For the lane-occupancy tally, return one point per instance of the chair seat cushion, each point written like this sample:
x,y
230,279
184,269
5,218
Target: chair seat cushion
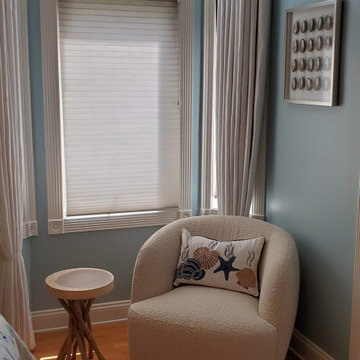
x,y
203,320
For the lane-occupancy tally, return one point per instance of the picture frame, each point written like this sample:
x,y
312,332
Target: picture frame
x,y
311,53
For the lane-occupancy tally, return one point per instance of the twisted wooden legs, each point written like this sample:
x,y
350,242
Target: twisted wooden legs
x,y
79,331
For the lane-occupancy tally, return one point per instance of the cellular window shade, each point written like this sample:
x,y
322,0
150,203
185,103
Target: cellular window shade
x,y
119,79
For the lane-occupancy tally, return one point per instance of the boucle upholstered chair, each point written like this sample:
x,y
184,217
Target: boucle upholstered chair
x,y
204,323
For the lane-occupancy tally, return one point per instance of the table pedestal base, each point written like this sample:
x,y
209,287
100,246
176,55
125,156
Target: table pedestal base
x,y
79,331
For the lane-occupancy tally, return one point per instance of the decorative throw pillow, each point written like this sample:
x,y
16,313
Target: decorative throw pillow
x,y
229,265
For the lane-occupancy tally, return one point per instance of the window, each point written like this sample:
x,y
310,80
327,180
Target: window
x,y
115,137
209,203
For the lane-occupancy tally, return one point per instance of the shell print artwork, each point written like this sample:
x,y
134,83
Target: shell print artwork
x,y
206,257
246,278
328,22
311,25
319,43
303,26
302,45
310,44
317,83
326,83
309,84
311,54
296,27
310,64
301,82
327,63
328,42
318,64
302,64
320,23
295,46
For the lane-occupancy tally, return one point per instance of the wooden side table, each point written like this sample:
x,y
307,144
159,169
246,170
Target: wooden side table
x,y
76,290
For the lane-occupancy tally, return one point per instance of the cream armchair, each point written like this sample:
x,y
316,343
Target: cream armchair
x,y
204,323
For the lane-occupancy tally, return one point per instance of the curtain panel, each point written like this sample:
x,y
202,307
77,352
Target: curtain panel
x,y
14,296
241,70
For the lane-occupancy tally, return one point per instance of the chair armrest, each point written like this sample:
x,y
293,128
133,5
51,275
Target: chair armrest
x,y
279,273
156,263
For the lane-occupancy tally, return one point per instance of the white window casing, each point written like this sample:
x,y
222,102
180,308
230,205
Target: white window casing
x,y
70,97
30,222
208,106
186,38
257,209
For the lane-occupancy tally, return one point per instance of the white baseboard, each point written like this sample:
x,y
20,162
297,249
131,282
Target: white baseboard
x,y
305,349
46,320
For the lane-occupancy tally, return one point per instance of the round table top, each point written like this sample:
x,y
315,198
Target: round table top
x,y
80,283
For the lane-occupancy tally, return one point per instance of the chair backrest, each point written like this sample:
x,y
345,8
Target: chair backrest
x,y
228,228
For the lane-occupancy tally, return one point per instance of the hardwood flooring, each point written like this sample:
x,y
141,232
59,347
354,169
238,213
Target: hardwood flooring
x,y
112,339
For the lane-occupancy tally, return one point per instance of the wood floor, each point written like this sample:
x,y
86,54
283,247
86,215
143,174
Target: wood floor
x,y
112,339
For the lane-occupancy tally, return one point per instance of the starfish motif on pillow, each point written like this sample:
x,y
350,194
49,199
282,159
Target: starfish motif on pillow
x,y
226,266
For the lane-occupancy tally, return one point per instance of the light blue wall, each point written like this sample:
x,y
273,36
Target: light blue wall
x,y
114,250
313,173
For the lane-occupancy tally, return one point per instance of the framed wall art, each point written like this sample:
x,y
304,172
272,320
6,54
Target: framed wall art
x,y
311,63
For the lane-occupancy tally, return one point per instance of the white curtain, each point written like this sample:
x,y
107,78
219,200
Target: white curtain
x,y
242,53
14,296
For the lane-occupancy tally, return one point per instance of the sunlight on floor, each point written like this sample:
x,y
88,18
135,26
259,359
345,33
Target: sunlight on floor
x,y
53,357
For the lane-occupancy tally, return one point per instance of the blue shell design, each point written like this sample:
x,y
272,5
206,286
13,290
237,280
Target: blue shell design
x,y
190,270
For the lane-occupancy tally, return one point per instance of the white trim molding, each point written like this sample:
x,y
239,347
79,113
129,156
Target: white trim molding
x,y
46,320
257,209
186,38
24,71
53,132
355,313
305,349
58,222
30,229
207,105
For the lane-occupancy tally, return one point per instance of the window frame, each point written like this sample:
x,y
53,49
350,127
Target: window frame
x,y
58,222
257,209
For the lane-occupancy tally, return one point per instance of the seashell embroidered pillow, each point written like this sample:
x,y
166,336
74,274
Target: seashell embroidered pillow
x,y
228,265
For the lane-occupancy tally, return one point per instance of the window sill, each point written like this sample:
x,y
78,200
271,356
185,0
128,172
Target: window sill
x,y
215,212
84,223
29,229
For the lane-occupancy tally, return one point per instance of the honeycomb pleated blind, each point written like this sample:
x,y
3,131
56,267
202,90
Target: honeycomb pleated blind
x,y
119,86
